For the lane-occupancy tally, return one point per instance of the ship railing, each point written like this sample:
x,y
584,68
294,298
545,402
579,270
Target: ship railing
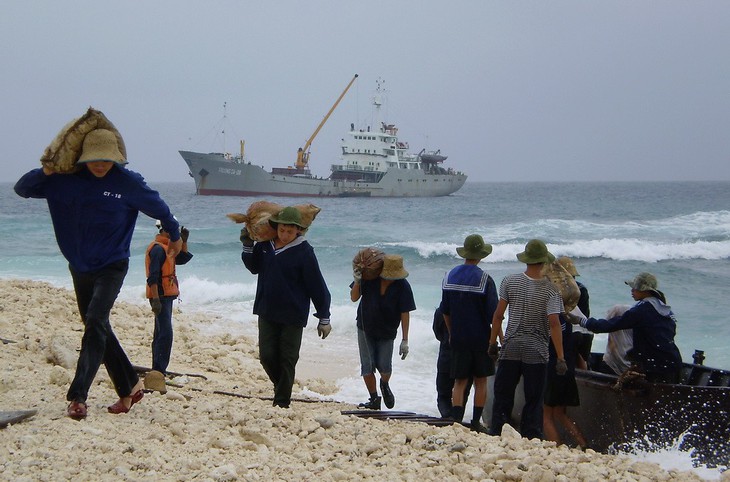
x,y
343,167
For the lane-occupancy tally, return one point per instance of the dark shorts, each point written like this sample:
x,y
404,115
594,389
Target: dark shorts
x,y
471,363
561,391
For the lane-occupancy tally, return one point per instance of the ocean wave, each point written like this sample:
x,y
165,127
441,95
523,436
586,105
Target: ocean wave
x,y
628,249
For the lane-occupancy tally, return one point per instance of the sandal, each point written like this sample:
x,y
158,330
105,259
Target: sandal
x,y
77,410
119,407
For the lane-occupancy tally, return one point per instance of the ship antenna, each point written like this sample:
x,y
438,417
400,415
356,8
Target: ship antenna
x,y
225,120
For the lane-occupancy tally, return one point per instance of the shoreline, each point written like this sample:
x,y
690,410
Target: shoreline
x,y
196,432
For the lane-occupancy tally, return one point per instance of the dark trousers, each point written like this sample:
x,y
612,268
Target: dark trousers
x,y
279,345
162,337
505,383
95,296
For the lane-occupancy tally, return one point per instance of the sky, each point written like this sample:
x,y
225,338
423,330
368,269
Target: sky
x,y
562,90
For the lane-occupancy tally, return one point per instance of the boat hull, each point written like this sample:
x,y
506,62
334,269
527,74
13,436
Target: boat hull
x,y
215,175
693,415
647,415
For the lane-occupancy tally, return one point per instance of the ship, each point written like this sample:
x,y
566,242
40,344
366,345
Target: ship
x,y
374,162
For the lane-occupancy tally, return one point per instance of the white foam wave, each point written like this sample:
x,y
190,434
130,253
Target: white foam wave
x,y
619,249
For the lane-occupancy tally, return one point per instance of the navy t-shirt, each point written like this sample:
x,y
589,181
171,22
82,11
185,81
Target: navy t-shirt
x,y
379,315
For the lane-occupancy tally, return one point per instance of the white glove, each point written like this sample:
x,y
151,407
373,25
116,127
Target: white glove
x,y
403,350
357,275
324,328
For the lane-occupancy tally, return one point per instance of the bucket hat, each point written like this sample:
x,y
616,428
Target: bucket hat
x,y
568,264
474,248
288,215
101,145
644,282
535,252
393,267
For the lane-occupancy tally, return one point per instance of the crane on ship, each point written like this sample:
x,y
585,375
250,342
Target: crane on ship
x,y
303,152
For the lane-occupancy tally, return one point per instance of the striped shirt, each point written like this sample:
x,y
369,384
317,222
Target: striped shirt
x,y
530,301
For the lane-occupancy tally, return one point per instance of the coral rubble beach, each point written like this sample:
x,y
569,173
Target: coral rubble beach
x,y
223,427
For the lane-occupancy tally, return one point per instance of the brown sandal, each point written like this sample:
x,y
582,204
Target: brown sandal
x,y
77,410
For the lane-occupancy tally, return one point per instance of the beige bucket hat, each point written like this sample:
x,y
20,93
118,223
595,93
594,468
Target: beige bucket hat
x,y
101,145
393,267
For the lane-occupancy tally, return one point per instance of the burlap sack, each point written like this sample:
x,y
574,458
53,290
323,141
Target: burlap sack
x,y
62,153
565,283
257,217
370,262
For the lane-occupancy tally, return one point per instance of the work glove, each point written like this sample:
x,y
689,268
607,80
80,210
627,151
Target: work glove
x,y
357,275
493,351
403,350
561,368
156,305
324,328
246,238
184,233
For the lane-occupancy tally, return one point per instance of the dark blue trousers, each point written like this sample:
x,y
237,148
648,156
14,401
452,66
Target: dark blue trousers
x,y
505,382
162,337
95,296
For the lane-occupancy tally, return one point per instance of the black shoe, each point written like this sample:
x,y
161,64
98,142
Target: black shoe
x,y
388,396
372,404
478,427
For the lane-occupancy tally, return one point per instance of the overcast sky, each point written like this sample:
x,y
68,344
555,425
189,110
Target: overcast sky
x,y
509,90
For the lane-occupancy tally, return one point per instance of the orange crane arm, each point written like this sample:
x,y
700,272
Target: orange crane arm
x,y
303,152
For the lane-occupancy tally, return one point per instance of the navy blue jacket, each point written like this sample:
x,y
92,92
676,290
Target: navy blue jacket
x,y
469,297
654,328
288,279
94,218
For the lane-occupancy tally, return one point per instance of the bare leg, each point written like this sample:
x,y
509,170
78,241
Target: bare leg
x,y
370,382
457,394
548,424
563,419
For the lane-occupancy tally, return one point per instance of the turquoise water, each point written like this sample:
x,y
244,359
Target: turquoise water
x,y
679,231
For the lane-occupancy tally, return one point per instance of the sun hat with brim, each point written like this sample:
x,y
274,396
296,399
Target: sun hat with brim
x,y
288,215
101,145
568,264
474,248
535,252
644,282
393,267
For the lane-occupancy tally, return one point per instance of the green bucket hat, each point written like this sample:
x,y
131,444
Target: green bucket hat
x,y
644,282
535,252
474,248
288,215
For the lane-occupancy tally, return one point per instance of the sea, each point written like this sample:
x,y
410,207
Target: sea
x,y
679,231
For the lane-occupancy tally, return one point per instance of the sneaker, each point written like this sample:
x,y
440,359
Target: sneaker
x,y
388,396
372,404
155,381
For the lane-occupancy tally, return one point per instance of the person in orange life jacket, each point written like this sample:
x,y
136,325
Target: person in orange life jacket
x,y
94,210
162,289
289,279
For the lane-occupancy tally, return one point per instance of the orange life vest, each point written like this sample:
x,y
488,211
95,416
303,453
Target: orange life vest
x,y
169,280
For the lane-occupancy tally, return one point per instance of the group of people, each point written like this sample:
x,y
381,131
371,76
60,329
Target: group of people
x,y
539,346
94,211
